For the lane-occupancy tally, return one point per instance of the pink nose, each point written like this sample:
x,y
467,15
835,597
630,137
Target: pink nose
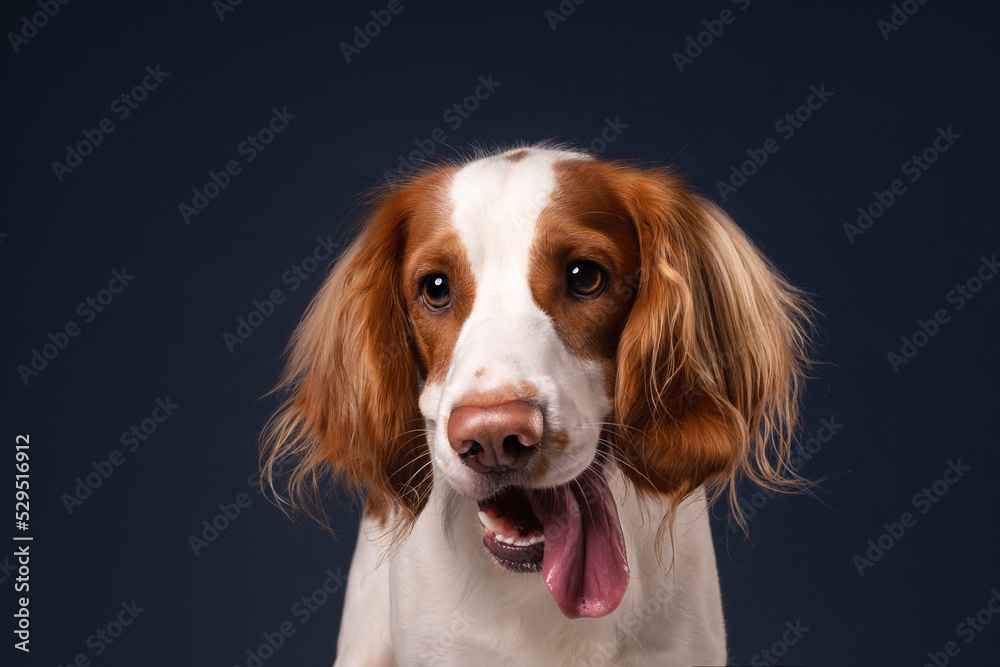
x,y
495,438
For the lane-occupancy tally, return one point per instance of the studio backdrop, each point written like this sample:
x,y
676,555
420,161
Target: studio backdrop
x,y
180,177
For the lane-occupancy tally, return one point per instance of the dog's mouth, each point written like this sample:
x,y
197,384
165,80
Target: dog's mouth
x,y
570,533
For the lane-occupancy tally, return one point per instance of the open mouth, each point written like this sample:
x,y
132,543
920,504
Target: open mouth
x,y
570,533
513,533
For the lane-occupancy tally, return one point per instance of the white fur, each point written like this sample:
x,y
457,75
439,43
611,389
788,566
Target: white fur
x,y
439,599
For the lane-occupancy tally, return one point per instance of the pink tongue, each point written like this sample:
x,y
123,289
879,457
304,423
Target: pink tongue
x,y
584,563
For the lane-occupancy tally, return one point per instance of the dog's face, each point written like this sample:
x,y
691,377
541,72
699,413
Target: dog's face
x,y
518,324
517,299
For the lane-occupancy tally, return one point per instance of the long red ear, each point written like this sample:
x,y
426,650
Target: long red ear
x,y
352,383
713,354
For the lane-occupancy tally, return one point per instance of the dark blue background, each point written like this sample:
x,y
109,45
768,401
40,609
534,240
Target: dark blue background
x,y
162,336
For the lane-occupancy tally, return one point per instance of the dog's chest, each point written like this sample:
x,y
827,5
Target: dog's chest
x,y
450,605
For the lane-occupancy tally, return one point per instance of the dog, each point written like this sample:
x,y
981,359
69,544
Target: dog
x,y
538,369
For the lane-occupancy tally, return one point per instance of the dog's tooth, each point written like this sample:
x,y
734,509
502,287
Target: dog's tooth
x,y
492,524
536,539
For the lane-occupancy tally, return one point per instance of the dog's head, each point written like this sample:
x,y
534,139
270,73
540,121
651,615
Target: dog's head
x,y
512,326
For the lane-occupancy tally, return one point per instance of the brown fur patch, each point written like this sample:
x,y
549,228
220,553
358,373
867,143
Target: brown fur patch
x,y
711,360
352,375
585,220
432,246
702,340
516,157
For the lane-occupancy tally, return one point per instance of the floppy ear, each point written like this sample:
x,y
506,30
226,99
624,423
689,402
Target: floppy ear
x,y
712,356
352,382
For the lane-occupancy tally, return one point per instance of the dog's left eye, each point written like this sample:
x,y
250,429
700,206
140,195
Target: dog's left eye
x,y
585,278
436,291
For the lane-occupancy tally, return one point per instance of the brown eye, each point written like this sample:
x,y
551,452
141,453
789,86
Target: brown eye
x,y
436,291
585,278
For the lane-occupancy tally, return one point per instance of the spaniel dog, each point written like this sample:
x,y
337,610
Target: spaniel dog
x,y
538,369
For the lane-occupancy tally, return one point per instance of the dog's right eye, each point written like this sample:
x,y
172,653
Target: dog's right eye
x,y
435,291
586,279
